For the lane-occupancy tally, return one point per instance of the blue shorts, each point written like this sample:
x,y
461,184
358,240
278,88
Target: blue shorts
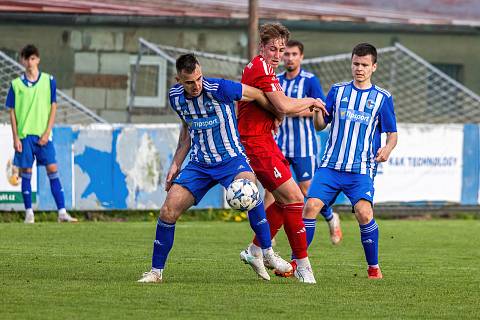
x,y
303,167
31,150
328,183
198,179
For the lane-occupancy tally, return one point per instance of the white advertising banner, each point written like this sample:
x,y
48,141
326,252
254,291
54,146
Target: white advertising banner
x,y
10,182
426,165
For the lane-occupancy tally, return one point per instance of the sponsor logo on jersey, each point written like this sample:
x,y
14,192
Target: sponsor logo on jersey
x,y
204,123
344,99
355,115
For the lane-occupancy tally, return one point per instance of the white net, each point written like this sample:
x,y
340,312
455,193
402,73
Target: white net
x,y
69,111
422,93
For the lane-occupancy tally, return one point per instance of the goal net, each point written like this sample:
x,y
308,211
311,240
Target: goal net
x,y
421,92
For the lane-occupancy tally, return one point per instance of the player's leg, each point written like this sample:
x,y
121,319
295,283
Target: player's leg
x,y
273,214
261,255
304,168
360,191
24,161
191,184
178,200
46,156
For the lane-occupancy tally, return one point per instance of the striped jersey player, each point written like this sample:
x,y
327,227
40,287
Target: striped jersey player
x,y
209,133
359,112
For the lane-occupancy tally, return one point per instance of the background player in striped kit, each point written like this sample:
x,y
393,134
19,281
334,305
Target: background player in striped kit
x,y
359,112
209,130
256,126
297,136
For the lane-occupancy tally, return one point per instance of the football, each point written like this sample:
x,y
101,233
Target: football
x,y
242,194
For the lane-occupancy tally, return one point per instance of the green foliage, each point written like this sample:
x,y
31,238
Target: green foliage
x,y
89,271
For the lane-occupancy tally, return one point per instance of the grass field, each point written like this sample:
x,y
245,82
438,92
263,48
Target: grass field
x,y
89,271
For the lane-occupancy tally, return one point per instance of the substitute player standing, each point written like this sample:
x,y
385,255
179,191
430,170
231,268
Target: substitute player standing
x,y
209,130
297,136
32,103
256,126
359,112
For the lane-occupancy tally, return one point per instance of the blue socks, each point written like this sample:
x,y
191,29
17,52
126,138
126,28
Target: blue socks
x,y
369,236
57,190
327,213
310,225
27,189
163,243
259,224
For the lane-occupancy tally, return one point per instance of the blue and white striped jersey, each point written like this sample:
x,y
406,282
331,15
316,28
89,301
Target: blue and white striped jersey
x,y
211,120
357,117
296,136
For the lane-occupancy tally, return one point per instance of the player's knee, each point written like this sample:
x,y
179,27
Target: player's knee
x,y
168,214
312,208
364,212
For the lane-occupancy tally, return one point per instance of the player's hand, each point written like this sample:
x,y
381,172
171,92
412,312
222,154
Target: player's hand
x,y
17,145
277,123
171,175
43,139
318,106
382,154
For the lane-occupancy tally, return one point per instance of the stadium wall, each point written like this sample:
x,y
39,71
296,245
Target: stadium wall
x,y
105,167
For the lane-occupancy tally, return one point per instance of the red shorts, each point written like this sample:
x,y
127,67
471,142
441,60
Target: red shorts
x,y
267,161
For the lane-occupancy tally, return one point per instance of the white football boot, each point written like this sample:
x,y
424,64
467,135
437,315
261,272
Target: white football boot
x,y
63,216
272,260
256,262
29,216
151,277
305,274
335,229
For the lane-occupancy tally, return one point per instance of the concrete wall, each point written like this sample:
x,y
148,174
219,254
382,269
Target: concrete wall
x,y
92,63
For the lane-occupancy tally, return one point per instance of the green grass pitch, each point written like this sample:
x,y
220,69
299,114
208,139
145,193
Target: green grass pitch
x,y
89,271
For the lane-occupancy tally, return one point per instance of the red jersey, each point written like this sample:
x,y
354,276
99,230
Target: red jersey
x,y
253,120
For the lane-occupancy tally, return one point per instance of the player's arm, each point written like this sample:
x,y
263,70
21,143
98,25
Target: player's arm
x,y
314,90
384,152
17,144
286,105
319,121
250,93
183,147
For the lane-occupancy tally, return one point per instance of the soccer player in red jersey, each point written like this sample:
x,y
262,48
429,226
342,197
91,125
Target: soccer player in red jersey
x,y
256,126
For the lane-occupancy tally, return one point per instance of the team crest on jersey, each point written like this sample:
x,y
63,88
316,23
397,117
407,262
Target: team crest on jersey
x,y
209,106
370,104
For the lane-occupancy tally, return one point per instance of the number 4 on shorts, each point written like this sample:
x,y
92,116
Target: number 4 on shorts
x,y
276,173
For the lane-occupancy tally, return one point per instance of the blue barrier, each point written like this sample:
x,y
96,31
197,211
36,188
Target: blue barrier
x,y
124,167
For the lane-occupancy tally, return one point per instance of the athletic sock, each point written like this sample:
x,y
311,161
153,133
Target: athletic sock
x,y
27,189
57,190
310,225
327,213
163,243
275,220
295,229
259,224
369,237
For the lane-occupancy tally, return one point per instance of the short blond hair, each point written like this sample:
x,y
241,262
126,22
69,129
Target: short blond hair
x,y
269,31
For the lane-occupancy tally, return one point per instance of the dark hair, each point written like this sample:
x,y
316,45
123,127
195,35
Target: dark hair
x,y
295,43
187,62
269,31
364,49
29,50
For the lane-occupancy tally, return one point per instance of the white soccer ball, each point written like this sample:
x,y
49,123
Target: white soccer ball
x,y
242,194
